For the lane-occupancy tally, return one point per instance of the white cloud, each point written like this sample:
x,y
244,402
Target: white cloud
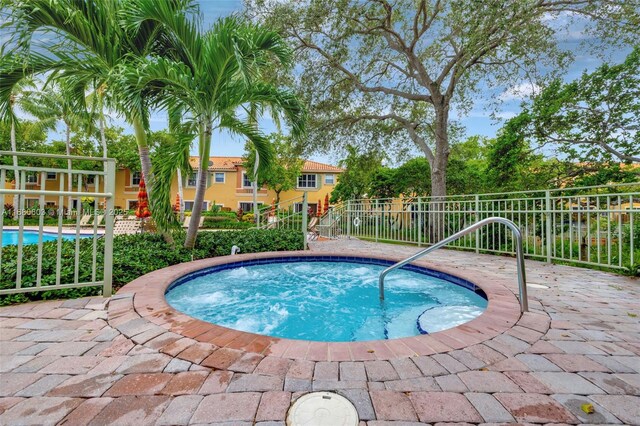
x,y
520,92
505,115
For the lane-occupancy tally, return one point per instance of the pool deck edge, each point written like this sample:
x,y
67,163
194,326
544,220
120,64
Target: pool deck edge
x,y
139,311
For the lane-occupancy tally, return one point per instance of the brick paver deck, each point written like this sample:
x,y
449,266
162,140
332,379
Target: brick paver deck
x,y
83,362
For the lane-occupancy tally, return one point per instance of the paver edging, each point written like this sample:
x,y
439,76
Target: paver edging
x,y
143,300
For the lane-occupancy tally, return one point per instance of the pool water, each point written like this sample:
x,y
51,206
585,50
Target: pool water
x,y
31,237
325,301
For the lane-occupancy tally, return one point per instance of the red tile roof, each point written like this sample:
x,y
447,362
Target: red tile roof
x,y
230,164
314,166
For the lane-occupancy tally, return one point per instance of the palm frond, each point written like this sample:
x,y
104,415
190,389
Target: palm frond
x,y
174,156
259,141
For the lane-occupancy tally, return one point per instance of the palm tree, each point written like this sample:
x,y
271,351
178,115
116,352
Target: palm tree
x,y
54,104
21,96
89,40
219,74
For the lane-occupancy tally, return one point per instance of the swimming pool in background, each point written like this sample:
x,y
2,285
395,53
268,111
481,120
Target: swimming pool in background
x,y
10,237
326,299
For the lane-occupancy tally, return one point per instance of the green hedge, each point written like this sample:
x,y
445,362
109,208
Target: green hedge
x,y
133,256
227,215
225,223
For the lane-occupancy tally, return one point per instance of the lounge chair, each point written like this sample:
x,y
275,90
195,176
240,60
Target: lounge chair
x,y
99,218
312,229
126,227
84,220
187,222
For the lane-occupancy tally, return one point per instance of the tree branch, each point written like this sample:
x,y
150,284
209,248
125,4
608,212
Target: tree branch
x,y
356,81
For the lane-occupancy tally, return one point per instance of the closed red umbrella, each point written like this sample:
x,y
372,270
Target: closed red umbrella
x,y
176,207
326,204
273,208
319,208
143,201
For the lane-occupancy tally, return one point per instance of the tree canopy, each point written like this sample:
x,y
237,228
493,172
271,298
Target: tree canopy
x,y
283,171
379,72
594,118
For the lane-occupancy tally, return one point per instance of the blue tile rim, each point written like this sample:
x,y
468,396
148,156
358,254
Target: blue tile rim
x,y
328,258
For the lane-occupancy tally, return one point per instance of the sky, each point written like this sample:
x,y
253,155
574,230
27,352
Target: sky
x,y
477,121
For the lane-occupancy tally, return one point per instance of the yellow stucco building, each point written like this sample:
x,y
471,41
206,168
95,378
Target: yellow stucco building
x,y
228,186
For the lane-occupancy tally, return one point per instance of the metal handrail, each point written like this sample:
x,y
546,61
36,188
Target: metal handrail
x,y
522,280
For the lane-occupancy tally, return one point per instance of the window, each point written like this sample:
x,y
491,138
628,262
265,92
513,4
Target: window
x,y
91,180
329,180
219,177
188,205
311,206
135,178
51,175
192,180
307,181
31,178
132,204
246,207
246,182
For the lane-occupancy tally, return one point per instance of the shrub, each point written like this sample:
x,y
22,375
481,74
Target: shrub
x,y
133,256
223,214
249,241
225,223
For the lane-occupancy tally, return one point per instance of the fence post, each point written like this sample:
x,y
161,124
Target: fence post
x,y
109,188
348,219
377,207
419,221
305,207
478,218
547,196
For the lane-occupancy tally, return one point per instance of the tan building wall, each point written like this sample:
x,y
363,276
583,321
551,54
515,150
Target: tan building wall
x,y
226,188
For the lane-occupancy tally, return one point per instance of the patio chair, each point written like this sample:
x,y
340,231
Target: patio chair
x,y
312,229
99,220
126,227
84,220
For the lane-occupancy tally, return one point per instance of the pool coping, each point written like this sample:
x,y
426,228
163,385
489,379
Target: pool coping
x,y
141,305
48,229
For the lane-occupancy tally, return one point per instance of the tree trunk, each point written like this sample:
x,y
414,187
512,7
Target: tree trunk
x,y
143,151
201,185
103,138
277,197
69,168
437,219
16,173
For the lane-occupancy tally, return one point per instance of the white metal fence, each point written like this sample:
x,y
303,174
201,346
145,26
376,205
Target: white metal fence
x,y
288,214
597,225
84,261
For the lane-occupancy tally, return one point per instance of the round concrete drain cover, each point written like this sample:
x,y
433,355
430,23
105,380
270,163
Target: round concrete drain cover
x,y
322,409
